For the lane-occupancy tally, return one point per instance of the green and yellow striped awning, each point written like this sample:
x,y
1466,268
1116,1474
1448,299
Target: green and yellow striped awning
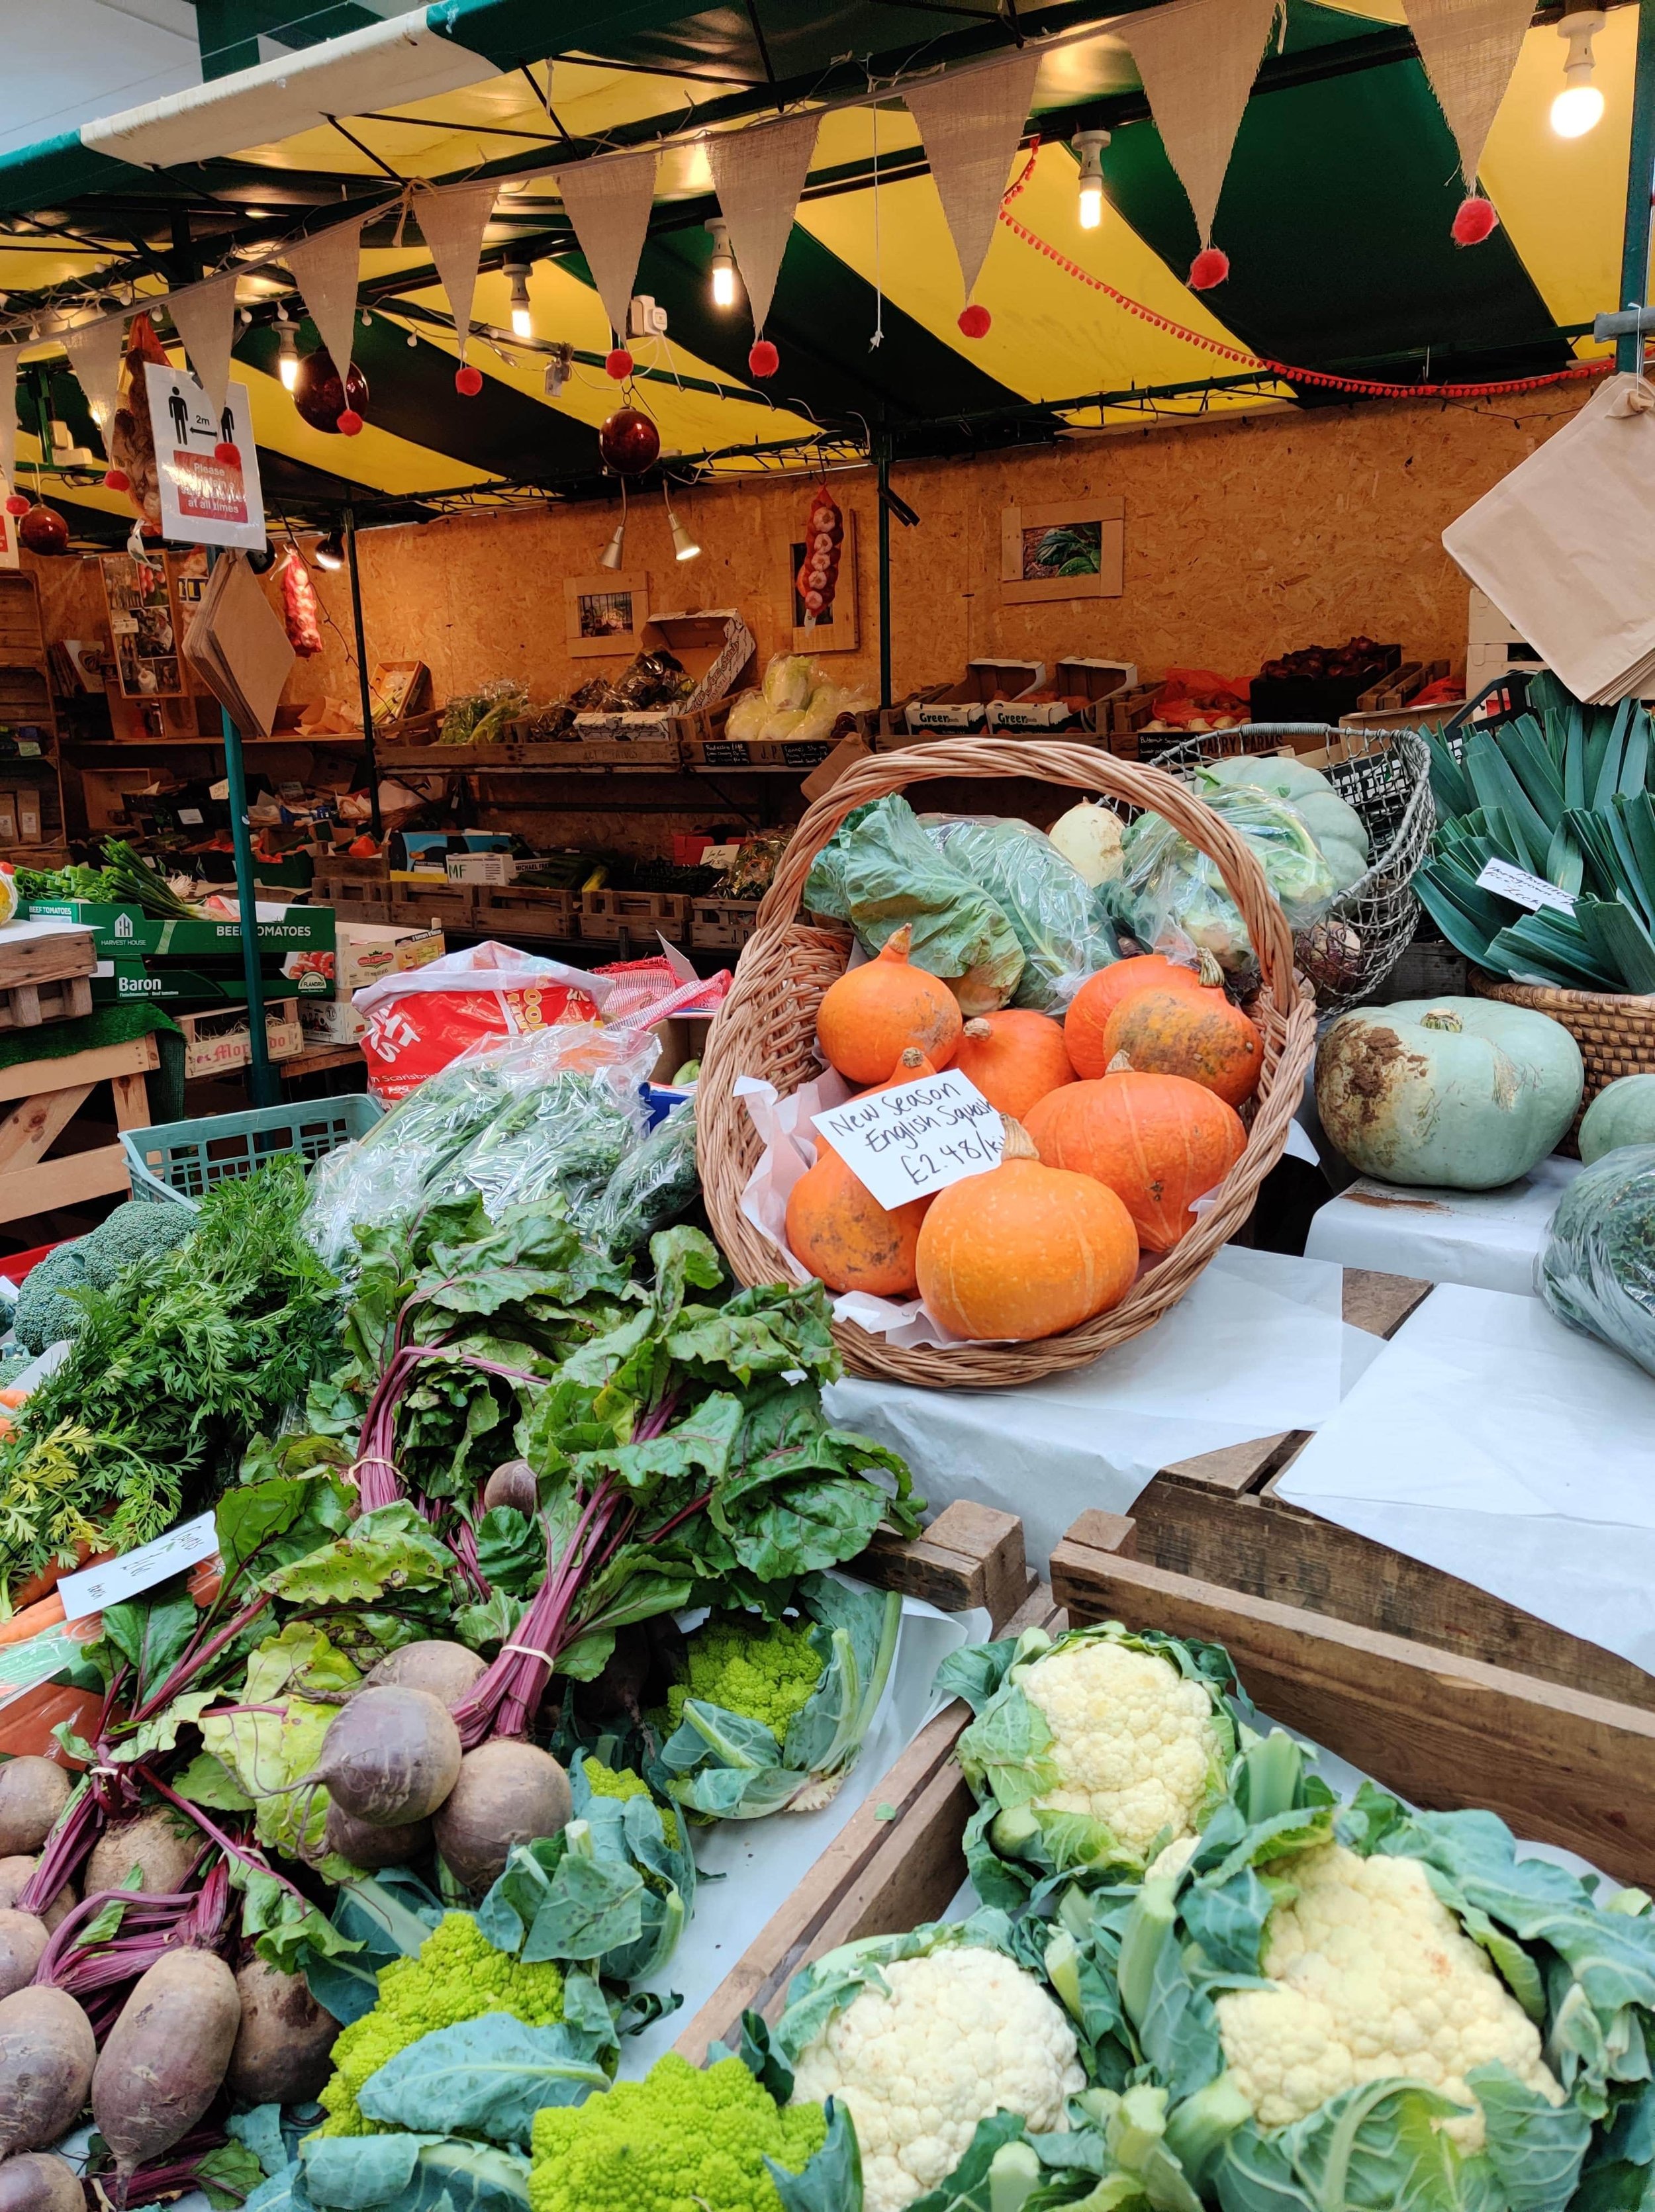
x,y
1335,217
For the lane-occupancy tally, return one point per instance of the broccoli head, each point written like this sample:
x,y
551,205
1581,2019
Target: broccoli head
x,y
459,1975
678,2137
141,1229
46,1315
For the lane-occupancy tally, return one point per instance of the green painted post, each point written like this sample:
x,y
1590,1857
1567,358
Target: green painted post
x,y
365,690
264,1083
1640,182
882,450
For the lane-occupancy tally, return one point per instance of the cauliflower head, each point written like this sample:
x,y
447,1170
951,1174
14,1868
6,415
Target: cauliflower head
x,y
676,2140
1375,1980
458,1976
964,2033
765,1669
1137,1742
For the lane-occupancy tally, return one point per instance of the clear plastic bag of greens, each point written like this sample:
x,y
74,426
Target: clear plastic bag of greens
x,y
881,872
656,1183
573,1112
1172,898
1597,1270
1062,923
386,1173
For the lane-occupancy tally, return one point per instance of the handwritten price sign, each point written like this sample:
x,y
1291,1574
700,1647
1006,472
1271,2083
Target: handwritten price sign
x,y
916,1139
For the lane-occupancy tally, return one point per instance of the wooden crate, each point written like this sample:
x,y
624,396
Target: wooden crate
x,y
879,1874
437,904
26,1005
218,1041
354,899
1399,687
527,910
722,924
38,1103
608,914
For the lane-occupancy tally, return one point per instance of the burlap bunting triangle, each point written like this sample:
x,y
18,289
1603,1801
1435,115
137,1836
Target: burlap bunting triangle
x,y
326,268
95,355
758,176
608,202
1197,61
1470,49
204,316
453,221
972,122
10,358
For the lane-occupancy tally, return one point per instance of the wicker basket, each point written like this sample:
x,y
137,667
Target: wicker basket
x,y
1615,1030
767,1028
1386,776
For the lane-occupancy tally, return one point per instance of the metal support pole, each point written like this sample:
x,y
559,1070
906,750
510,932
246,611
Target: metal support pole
x,y
882,454
364,687
1640,182
264,1083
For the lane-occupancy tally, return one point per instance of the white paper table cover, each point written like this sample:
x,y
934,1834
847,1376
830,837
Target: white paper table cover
x,y
1495,1444
1487,1239
1257,1346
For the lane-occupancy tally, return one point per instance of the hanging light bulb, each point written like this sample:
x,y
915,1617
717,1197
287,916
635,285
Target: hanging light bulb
x,y
522,326
1089,145
1579,105
686,545
329,551
287,358
723,263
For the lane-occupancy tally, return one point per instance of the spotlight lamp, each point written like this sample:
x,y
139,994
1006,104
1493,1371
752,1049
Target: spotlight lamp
x,y
723,263
1089,145
1579,105
329,551
686,546
522,324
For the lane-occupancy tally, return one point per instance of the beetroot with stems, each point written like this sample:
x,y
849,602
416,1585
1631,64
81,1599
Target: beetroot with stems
x,y
507,1793
283,2048
36,2181
166,2058
17,1872
23,1939
447,1670
33,1795
512,1484
373,1847
46,2057
162,1847
392,1756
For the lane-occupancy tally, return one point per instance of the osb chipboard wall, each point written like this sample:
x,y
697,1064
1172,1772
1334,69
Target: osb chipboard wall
x,y
1243,538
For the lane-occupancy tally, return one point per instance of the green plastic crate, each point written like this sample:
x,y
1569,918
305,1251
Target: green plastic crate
x,y
177,1162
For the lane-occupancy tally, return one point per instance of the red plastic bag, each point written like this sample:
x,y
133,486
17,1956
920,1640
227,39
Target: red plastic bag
x,y
299,610
1195,697
422,1018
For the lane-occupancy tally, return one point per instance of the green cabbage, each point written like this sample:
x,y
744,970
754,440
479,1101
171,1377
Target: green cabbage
x,y
1171,897
1060,921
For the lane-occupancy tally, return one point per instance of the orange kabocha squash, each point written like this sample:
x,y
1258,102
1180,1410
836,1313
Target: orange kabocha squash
x,y
867,1018
1198,1034
1157,1141
1098,996
836,1227
1013,1057
1025,1250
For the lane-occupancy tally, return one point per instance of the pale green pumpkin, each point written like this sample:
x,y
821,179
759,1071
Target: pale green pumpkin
x,y
1622,1113
1339,830
1462,1094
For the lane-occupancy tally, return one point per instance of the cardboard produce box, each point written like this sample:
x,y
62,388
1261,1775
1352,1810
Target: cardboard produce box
x,y
116,982
285,933
331,1021
965,705
714,648
368,950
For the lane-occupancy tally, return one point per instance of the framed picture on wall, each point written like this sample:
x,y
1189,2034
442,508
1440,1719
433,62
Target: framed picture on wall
x,y
144,627
1074,550
836,631
604,613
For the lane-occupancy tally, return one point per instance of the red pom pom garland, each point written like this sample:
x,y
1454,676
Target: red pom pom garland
x,y
1210,266
468,380
1475,219
764,359
224,453
619,365
17,504
113,480
975,320
350,422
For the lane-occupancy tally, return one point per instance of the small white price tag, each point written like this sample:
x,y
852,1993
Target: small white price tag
x,y
94,1588
1517,885
721,856
915,1138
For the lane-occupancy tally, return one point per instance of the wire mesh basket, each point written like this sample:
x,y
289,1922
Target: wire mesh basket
x,y
1385,775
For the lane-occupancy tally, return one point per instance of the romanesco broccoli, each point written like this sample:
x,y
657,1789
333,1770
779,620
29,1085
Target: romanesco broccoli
x,y
44,1314
765,1670
138,1231
678,2139
621,1782
458,1976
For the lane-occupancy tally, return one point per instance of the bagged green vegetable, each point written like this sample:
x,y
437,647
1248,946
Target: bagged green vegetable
x,y
880,871
654,1183
1172,898
1060,921
1597,1270
1340,832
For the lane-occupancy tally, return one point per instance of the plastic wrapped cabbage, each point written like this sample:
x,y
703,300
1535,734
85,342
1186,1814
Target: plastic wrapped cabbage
x,y
747,717
880,871
1060,923
1339,830
787,682
1172,898
654,1183
1597,1270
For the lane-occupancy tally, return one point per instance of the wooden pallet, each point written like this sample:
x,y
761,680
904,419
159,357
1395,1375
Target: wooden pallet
x,y
883,1873
608,914
511,910
43,972
722,925
26,1005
